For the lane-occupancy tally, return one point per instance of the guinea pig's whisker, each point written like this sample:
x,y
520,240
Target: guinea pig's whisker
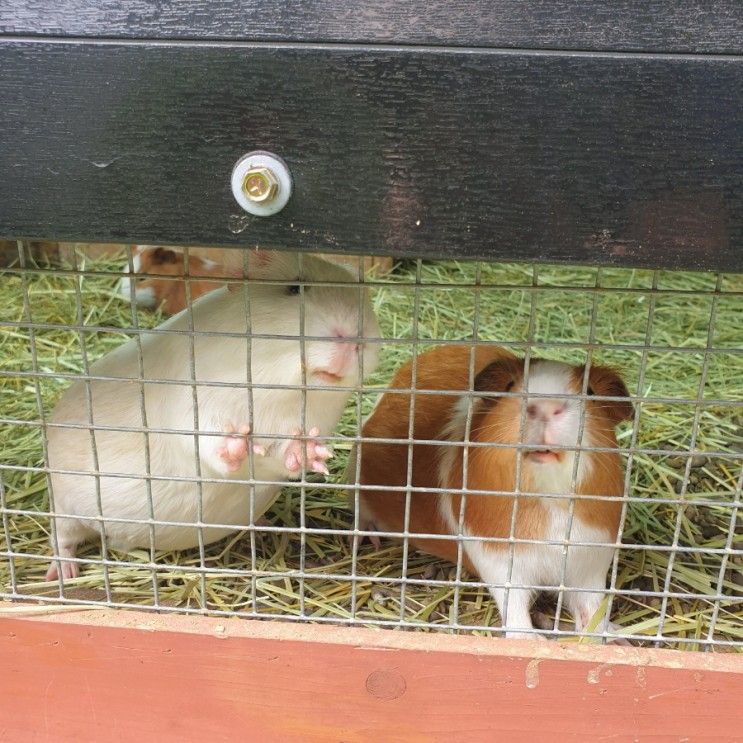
x,y
499,431
500,426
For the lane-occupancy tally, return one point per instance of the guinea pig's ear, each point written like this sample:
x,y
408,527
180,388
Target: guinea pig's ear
x,y
604,381
499,376
161,256
261,264
142,257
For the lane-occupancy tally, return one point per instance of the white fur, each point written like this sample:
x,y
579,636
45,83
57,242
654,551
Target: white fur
x,y
217,359
542,565
455,430
539,564
142,295
145,296
554,378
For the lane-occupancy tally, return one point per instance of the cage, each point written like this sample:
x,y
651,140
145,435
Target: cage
x,y
675,574
556,194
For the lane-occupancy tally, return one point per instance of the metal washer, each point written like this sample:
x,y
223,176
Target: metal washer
x,y
256,159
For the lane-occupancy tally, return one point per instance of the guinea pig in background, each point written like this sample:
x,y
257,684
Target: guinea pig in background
x,y
332,356
550,422
169,294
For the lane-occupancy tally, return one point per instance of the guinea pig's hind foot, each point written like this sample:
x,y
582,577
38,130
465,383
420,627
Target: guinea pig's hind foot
x,y
373,538
584,608
69,569
232,449
615,629
316,454
376,542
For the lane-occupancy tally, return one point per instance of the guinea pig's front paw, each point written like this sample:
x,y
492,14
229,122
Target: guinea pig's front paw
x,y
316,454
233,448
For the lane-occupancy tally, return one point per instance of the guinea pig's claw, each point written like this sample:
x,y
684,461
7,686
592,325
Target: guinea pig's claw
x,y
315,453
292,462
373,538
319,466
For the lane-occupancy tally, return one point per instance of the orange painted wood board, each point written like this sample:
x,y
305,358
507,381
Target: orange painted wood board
x,y
107,675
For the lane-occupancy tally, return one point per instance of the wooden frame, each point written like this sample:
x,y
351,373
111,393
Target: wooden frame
x,y
128,675
691,26
601,133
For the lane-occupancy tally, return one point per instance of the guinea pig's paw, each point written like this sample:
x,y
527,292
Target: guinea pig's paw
x,y
316,454
373,538
369,525
69,570
233,448
615,629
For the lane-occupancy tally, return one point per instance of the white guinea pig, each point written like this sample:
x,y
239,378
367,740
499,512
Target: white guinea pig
x,y
331,360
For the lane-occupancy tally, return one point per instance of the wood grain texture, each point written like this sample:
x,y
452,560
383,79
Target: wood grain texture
x,y
649,25
126,676
620,159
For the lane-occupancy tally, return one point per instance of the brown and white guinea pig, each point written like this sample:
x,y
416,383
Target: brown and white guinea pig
x,y
170,294
550,422
336,321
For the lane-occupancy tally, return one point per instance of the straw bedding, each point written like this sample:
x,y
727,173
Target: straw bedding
x,y
562,315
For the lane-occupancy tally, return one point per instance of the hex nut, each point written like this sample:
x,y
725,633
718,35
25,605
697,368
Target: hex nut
x,y
260,185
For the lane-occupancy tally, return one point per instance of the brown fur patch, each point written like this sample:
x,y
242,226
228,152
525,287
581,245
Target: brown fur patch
x,y
169,294
606,382
443,368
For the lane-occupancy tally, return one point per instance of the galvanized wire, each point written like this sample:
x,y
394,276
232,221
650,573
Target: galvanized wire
x,y
300,573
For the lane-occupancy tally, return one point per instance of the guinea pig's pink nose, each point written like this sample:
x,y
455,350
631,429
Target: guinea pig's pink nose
x,y
545,410
342,359
549,437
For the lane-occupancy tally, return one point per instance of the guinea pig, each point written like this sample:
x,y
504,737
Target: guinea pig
x,y
334,354
551,421
168,293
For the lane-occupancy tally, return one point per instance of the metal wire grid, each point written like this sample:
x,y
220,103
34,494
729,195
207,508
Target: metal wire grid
x,y
360,401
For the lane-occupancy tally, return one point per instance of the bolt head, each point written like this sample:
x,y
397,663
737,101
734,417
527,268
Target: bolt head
x,y
260,185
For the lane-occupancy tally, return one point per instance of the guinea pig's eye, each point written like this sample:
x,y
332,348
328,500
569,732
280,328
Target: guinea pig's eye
x,y
293,289
590,391
509,386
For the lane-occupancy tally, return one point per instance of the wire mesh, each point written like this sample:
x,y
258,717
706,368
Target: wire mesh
x,y
676,572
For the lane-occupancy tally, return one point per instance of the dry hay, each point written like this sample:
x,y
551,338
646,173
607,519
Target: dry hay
x,y
706,521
